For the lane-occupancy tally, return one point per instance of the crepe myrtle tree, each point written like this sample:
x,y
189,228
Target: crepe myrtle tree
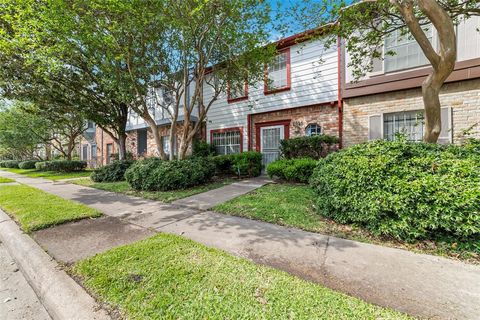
x,y
365,24
170,54
213,44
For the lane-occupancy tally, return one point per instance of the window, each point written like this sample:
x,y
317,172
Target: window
x,y
278,73
227,141
166,145
237,90
408,123
313,129
408,53
109,152
94,151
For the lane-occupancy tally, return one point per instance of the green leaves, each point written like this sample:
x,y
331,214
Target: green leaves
x,y
402,189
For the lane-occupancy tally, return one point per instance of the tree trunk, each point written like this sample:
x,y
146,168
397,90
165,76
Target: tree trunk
x,y
431,100
122,146
157,138
173,131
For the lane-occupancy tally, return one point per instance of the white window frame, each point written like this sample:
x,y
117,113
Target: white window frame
x,y
308,132
227,146
434,41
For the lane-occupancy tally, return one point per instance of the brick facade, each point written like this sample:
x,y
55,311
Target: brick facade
x,y
325,115
463,97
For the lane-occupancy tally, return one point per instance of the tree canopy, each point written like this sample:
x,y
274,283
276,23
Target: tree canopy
x,y
364,25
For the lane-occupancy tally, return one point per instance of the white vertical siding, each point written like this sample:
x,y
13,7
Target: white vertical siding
x,y
314,80
468,39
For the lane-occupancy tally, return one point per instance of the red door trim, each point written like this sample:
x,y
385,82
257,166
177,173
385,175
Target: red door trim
x,y
285,123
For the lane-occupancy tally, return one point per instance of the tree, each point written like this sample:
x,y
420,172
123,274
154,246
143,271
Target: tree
x,y
42,62
169,48
21,133
364,25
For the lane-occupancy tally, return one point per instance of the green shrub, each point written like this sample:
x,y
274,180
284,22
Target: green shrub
x,y
157,175
10,164
202,149
247,164
292,170
29,164
403,189
61,165
314,147
112,172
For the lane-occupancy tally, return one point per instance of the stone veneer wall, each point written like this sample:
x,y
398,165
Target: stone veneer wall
x,y
325,115
463,97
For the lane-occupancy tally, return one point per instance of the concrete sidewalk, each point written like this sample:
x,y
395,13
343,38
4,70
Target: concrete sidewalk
x,y
422,285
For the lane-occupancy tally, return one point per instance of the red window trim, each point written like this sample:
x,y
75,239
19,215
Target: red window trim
x,y
286,130
228,130
267,91
244,97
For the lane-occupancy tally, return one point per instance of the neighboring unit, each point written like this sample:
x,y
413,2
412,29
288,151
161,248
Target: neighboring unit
x,y
389,101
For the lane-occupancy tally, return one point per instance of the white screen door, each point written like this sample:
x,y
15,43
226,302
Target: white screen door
x,y
270,143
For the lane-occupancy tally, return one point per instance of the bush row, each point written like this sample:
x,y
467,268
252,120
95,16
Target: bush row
x,y
157,175
314,147
246,164
403,189
61,165
29,164
292,170
9,164
112,172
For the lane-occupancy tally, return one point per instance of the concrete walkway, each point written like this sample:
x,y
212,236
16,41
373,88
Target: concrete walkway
x,y
422,285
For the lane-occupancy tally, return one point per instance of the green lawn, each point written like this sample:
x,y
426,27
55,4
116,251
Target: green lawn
x,y
6,180
51,175
294,206
164,196
35,209
170,277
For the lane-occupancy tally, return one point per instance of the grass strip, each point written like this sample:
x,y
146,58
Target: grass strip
x,y
34,209
51,175
170,277
6,180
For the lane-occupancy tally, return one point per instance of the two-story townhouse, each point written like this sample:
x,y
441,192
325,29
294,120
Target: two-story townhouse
x,y
389,100
298,97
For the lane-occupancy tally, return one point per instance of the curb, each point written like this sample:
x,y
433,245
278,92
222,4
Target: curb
x,y
61,296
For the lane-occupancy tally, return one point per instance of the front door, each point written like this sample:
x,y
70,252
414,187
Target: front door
x,y
270,138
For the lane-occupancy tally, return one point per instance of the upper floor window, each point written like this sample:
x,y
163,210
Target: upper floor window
x,y
278,73
408,123
313,129
227,141
408,53
237,90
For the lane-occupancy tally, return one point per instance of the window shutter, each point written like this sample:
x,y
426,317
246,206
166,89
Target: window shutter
x,y
446,132
375,127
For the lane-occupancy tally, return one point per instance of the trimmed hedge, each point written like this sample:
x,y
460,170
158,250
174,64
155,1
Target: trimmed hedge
x,y
158,175
10,164
61,165
247,164
292,170
29,164
403,189
314,147
202,149
112,172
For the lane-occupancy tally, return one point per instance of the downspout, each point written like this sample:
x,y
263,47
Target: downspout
x,y
249,133
339,93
